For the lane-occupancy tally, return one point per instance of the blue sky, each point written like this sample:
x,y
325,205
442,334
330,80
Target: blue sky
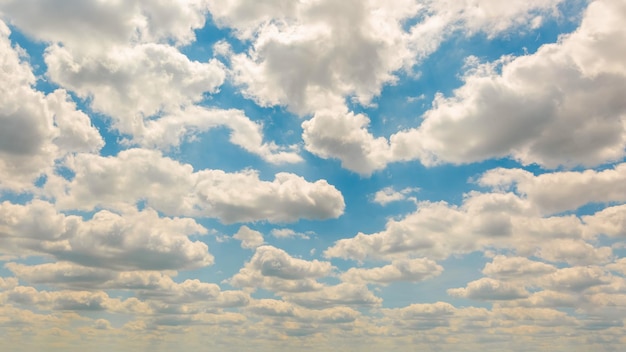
x,y
285,175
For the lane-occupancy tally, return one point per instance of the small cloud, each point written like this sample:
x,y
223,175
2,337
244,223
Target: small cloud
x,y
250,239
389,194
289,233
416,98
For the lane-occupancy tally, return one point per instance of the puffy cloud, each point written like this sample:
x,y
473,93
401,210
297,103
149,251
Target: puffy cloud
x,y
343,135
489,289
89,24
493,17
344,294
249,238
501,110
281,309
288,233
7,283
549,299
555,107
575,252
134,240
172,129
69,300
273,269
503,267
294,62
37,128
174,188
437,230
413,270
358,45
560,191
609,221
576,279
422,316
133,83
389,194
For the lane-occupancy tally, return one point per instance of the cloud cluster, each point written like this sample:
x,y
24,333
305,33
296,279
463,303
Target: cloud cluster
x,y
106,246
174,188
555,107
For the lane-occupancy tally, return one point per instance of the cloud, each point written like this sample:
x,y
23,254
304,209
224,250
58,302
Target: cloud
x,y
173,188
170,130
282,68
575,188
249,238
516,107
359,45
288,233
575,252
422,316
274,269
577,279
344,294
37,128
133,83
610,221
343,135
92,24
413,270
489,290
67,300
503,267
134,240
389,194
554,107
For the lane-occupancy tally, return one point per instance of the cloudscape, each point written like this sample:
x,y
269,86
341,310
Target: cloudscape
x,y
315,175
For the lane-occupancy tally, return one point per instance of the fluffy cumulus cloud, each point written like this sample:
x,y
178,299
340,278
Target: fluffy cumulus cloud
x,y
37,128
249,238
131,83
399,270
274,269
556,107
312,175
136,240
174,188
173,129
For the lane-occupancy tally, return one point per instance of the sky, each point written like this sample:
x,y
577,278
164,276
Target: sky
x,y
280,175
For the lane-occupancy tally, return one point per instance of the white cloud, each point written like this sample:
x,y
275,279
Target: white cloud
x,y
534,108
344,294
7,283
36,129
575,252
313,54
516,268
92,24
175,189
490,290
288,233
609,221
413,270
576,279
133,83
555,107
133,240
343,135
422,316
172,129
249,238
274,269
389,194
560,191
358,44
